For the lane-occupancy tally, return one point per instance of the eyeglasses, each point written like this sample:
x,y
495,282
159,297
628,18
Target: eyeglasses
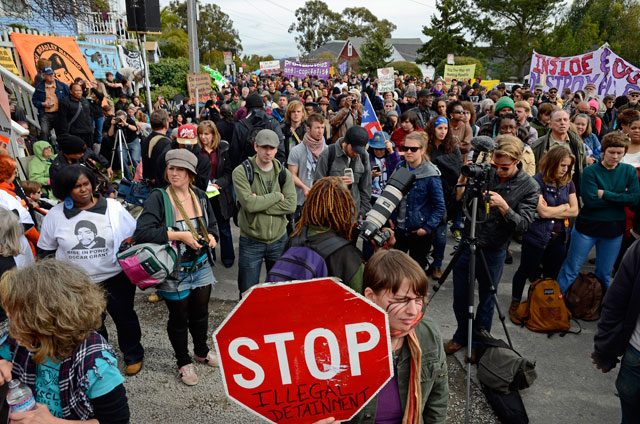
x,y
553,92
502,167
410,149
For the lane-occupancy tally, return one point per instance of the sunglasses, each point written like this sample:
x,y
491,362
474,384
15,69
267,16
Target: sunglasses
x,y
410,149
502,167
459,112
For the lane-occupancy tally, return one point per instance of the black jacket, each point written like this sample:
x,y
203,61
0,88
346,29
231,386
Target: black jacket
x,y
67,109
521,194
153,167
288,136
620,311
151,226
241,148
225,128
223,204
60,162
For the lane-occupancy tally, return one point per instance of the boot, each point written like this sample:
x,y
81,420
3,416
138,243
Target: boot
x,y
512,311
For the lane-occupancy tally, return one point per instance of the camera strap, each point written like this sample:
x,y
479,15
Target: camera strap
x,y
184,215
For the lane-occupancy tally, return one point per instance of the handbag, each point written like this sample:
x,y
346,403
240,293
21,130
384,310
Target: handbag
x,y
150,264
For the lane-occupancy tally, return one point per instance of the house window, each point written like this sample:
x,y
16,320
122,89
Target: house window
x,y
349,49
15,8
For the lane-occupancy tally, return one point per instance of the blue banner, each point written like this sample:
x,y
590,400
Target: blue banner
x,y
101,58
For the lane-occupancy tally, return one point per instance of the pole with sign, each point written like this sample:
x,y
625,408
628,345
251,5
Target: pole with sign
x,y
301,351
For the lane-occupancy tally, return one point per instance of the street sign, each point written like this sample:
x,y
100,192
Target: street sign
x,y
228,58
303,351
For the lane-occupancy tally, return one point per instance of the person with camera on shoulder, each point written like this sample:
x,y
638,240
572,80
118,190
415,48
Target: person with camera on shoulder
x,y
508,206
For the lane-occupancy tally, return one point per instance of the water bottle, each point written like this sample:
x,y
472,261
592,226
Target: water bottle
x,y
20,398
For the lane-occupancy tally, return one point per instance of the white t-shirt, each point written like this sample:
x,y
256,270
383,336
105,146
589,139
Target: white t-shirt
x,y
9,202
301,157
89,240
632,159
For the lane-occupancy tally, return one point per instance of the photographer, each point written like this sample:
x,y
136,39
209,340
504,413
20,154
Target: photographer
x,y
348,115
511,197
130,131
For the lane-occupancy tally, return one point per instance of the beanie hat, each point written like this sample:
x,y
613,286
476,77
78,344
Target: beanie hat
x,y
504,102
254,101
71,144
594,104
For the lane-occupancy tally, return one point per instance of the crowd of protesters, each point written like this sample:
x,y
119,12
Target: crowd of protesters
x,y
285,158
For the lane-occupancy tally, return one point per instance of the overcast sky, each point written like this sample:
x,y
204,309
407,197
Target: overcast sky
x,y
263,24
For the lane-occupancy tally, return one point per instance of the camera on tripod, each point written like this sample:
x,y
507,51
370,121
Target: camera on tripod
x,y
477,171
397,187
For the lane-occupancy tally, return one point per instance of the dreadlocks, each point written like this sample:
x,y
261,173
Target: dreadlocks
x,y
329,204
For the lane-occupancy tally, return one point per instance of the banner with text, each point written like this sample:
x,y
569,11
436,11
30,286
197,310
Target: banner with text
x,y
270,67
459,72
101,58
6,61
202,82
297,69
488,84
131,58
387,80
67,61
343,67
610,73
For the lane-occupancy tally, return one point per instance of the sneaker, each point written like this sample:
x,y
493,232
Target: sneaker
x,y
211,359
457,235
188,375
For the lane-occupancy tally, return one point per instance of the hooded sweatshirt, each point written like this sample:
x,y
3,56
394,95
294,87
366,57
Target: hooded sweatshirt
x,y
38,167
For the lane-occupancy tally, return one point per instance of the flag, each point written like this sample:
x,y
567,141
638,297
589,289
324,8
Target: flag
x,y
369,118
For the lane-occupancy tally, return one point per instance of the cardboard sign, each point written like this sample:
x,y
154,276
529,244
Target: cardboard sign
x,y
459,72
67,61
200,81
610,73
228,58
7,62
270,66
450,59
387,80
302,351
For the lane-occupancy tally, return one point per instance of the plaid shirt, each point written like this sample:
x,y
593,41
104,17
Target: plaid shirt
x,y
73,380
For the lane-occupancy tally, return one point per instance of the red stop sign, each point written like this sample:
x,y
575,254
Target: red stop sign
x,y
305,350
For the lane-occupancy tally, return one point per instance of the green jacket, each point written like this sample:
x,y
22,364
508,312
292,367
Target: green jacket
x,y
434,378
541,146
263,217
38,168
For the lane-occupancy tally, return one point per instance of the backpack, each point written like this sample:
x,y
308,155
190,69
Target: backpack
x,y
252,131
302,262
584,297
247,165
544,311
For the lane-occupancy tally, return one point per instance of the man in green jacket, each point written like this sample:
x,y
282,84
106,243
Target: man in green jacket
x,y
266,198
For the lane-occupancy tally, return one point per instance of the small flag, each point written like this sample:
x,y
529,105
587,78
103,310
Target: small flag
x,y
369,118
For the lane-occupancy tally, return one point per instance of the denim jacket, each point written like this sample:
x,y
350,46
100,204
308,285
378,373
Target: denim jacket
x,y
40,95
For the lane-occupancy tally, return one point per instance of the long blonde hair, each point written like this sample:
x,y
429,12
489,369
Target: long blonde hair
x,y
53,306
209,126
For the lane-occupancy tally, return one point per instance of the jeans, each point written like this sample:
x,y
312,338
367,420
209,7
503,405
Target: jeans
x,y
579,248
484,312
227,255
97,129
551,258
47,123
120,294
416,246
457,223
135,150
628,386
439,244
251,254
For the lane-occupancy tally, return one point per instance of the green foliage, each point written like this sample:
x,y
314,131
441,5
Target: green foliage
x,y
445,34
463,60
374,52
253,61
170,72
513,28
316,24
407,68
168,91
174,40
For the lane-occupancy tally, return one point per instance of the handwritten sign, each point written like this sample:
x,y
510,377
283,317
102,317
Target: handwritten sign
x,y
459,72
387,80
200,81
7,62
289,364
270,66
610,73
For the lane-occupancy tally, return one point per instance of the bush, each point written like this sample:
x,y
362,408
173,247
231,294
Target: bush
x,y
406,67
463,60
168,91
170,72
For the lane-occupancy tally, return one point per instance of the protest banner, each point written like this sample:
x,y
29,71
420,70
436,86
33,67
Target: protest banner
x,y
270,66
459,72
7,62
202,82
287,363
610,73
130,58
218,79
343,67
297,69
100,58
387,80
63,52
451,59
228,58
5,115
488,84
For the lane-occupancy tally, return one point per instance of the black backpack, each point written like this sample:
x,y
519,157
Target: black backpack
x,y
252,131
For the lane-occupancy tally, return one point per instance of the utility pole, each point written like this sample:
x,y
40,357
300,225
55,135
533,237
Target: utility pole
x,y
194,58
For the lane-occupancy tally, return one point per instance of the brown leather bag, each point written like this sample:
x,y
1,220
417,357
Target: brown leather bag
x,y
584,297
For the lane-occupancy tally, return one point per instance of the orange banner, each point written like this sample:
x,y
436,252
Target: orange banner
x,y
67,61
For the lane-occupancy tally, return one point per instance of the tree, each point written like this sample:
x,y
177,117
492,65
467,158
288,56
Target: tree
x,y
174,40
445,34
407,68
215,28
463,60
374,52
67,11
513,28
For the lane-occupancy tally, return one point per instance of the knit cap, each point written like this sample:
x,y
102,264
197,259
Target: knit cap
x,y
504,102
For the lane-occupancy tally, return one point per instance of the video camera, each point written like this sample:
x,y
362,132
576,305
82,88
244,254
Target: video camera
x,y
397,187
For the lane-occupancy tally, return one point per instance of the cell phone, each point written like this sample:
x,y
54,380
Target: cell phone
x,y
376,168
348,172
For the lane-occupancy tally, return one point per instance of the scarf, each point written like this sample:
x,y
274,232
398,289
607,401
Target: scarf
x,y
315,146
414,395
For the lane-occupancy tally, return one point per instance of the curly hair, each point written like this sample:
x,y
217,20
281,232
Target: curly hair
x,y
8,166
448,144
329,204
53,307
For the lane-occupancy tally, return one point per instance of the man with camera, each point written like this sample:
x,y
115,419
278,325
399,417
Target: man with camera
x,y
348,115
507,206
122,122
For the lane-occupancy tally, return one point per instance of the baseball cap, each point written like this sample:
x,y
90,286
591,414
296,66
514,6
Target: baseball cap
x,y
538,87
182,158
267,137
634,91
187,134
425,93
47,70
358,138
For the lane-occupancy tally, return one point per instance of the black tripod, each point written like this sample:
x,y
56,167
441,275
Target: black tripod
x,y
471,243
120,146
